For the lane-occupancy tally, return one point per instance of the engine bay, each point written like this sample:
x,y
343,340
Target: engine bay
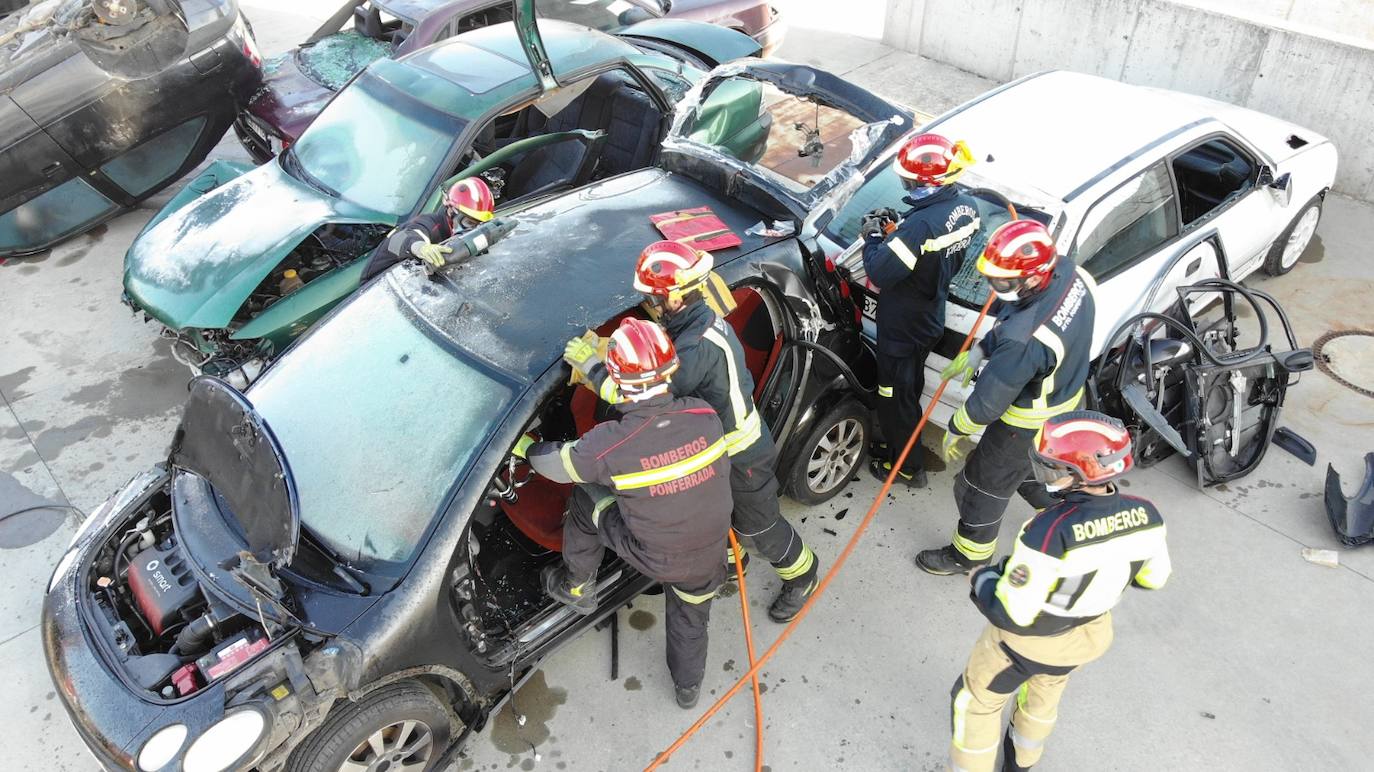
x,y
171,635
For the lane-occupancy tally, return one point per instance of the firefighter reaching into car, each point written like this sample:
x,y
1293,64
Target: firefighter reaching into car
x,y
1034,364
912,259
1049,604
675,278
654,486
467,204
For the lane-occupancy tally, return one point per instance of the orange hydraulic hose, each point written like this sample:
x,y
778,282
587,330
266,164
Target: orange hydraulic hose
x,y
839,562
749,644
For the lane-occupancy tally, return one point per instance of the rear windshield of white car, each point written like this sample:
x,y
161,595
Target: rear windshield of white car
x,y
378,422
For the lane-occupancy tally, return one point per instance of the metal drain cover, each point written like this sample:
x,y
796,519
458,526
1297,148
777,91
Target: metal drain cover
x,y
1348,357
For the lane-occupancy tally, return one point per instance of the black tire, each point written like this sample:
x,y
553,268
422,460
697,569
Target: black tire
x,y
848,422
346,730
1274,261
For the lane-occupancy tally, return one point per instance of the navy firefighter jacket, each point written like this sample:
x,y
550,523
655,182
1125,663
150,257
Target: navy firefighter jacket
x,y
913,266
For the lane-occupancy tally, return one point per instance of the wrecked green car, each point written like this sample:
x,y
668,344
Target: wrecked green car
x,y
245,259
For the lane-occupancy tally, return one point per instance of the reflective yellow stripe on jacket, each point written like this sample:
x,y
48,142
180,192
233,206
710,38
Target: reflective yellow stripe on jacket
x,y
674,471
748,425
1041,410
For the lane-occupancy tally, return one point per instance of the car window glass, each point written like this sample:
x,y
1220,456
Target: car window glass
x,y
145,167
674,86
798,140
376,147
376,421
1128,223
1211,175
333,60
597,14
883,189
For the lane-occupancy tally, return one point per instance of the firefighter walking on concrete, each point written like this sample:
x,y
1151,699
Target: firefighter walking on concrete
x,y
674,277
1049,604
1034,365
653,486
912,261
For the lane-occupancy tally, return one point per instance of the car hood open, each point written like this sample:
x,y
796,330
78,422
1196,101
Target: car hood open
x,y
224,441
197,266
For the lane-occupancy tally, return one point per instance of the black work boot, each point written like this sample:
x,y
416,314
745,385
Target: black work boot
x,y
687,696
880,468
730,575
1009,756
792,596
946,561
558,584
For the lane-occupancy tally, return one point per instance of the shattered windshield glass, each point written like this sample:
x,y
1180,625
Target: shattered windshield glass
x,y
377,422
334,60
375,146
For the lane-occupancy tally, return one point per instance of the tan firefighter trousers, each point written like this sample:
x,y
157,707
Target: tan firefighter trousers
x,y
1035,669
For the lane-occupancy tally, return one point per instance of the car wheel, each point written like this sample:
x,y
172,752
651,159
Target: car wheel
x,y
831,454
399,727
1290,245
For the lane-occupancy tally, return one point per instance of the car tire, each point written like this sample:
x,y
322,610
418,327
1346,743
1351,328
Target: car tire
x,y
397,718
832,453
1291,244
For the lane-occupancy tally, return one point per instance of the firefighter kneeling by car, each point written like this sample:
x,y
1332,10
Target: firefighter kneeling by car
x,y
655,487
1049,603
1037,356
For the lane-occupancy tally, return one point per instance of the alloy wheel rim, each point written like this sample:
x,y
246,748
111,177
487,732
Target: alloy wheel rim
x,y
835,456
401,746
1300,237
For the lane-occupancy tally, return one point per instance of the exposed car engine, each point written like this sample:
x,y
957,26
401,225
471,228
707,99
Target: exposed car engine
x,y
170,635
329,247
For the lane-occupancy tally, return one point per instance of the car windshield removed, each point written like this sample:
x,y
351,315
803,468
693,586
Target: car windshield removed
x,y
375,146
377,422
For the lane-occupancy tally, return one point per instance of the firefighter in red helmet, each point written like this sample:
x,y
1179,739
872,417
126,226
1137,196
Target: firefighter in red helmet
x,y
1049,604
654,486
1034,365
467,204
674,277
912,259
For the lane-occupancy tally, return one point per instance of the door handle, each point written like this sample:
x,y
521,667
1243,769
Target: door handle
x,y
1193,266
52,169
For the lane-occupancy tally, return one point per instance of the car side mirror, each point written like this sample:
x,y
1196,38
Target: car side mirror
x,y
1282,188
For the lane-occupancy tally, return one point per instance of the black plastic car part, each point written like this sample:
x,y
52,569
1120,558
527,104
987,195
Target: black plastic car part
x,y
1352,518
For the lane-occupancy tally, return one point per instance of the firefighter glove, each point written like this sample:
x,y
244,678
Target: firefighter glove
x,y
432,253
872,226
580,353
954,447
522,446
964,365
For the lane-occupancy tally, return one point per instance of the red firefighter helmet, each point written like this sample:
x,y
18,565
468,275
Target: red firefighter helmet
x,y
641,358
472,198
930,159
1086,445
668,268
1017,251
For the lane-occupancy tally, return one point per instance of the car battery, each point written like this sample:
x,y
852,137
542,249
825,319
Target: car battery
x,y
229,655
162,585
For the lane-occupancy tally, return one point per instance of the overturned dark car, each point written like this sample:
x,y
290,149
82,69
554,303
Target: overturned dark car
x,y
103,104
338,568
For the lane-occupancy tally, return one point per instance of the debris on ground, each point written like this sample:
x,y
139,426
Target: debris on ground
x,y
1327,558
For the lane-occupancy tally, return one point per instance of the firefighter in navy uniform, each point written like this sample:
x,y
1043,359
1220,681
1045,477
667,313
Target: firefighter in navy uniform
x,y
674,277
1036,363
1049,604
654,486
467,204
913,265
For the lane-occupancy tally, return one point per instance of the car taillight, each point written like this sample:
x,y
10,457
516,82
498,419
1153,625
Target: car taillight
x,y
247,44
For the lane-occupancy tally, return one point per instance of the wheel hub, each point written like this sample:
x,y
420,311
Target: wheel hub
x,y
835,456
397,747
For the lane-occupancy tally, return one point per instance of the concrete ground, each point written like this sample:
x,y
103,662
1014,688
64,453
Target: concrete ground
x,y
1251,658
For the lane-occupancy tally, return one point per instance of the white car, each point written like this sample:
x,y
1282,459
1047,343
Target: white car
x,y
1148,189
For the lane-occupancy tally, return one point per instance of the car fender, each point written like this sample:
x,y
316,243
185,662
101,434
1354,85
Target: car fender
x,y
293,314
708,41
216,174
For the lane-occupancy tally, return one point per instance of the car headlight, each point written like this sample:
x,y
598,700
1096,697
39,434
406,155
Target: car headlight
x,y
96,516
161,748
63,566
225,744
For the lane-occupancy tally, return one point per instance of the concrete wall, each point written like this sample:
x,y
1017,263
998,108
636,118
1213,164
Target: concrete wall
x,y
1321,82
1351,18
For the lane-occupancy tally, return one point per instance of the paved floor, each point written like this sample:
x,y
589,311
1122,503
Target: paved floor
x,y
1251,658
